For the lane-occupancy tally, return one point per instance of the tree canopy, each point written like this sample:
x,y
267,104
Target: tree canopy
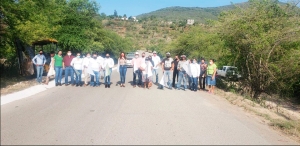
x,y
76,24
262,40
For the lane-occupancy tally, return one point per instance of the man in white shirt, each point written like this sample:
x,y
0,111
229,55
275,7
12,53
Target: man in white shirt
x,y
76,63
136,63
194,74
95,65
85,64
100,59
108,64
143,57
156,61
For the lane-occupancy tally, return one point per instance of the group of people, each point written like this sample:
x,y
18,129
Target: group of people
x,y
187,72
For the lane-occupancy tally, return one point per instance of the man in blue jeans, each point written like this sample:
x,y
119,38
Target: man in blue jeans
x,y
136,63
68,68
39,61
95,65
156,61
167,68
182,72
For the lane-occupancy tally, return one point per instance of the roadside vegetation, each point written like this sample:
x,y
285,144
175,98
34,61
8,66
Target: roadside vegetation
x,y
75,24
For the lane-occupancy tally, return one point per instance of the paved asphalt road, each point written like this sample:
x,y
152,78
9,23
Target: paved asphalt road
x,y
90,115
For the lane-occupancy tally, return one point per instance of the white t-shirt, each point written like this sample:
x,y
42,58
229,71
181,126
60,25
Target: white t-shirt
x,y
77,63
86,61
156,60
109,62
95,64
147,67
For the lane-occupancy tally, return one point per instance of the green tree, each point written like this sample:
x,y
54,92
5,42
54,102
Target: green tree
x,y
116,14
264,40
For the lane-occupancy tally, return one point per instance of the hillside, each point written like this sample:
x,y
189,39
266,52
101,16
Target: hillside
x,y
200,15
156,29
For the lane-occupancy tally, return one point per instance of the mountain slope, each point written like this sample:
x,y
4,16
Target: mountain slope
x,y
182,13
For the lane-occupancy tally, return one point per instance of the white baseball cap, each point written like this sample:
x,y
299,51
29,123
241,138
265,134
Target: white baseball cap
x,y
137,53
154,52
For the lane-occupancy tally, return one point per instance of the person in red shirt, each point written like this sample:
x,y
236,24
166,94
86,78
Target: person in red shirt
x,y
68,68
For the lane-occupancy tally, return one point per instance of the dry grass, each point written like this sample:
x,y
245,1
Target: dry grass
x,y
283,116
10,85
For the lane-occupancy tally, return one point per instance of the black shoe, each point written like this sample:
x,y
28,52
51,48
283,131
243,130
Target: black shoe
x,y
56,84
105,86
108,86
59,84
77,85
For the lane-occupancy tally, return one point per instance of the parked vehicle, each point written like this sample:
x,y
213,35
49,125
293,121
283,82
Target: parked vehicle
x,y
129,57
229,72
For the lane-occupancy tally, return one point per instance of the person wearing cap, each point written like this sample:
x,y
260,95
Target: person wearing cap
x,y
136,63
156,61
108,64
183,68
167,68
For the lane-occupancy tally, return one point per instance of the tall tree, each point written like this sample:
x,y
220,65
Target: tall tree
x,y
264,39
116,14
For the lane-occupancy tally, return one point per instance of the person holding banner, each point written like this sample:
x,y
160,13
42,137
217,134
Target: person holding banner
x,y
76,63
94,70
108,64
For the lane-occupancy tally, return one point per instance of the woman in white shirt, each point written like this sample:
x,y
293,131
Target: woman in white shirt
x,y
194,74
76,63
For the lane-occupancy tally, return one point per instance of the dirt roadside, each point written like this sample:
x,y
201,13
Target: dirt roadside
x,y
282,116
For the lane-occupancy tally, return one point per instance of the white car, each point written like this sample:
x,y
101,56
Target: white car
x,y
129,57
230,72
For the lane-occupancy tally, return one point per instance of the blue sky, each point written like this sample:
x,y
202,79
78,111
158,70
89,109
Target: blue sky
x,y
136,7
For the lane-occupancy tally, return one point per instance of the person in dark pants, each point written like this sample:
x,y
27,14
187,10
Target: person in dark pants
x,y
68,68
202,77
136,63
175,72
